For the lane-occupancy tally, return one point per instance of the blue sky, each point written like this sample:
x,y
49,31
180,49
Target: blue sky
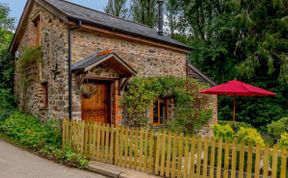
x,y
17,6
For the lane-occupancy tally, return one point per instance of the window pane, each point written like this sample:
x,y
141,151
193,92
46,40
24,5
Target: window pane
x,y
155,113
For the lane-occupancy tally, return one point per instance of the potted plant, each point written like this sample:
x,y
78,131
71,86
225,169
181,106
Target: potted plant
x,y
87,90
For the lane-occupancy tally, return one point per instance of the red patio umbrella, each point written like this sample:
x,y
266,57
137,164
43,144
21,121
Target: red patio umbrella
x,y
237,88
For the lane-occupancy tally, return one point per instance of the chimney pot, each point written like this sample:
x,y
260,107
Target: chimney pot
x,y
160,17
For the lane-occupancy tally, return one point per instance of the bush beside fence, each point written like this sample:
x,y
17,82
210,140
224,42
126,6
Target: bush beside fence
x,y
171,155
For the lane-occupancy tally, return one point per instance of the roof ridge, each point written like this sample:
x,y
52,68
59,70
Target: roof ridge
x,y
98,11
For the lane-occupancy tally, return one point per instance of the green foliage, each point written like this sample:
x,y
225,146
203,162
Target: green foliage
x,y
144,12
117,8
243,135
246,40
44,138
224,132
30,131
29,57
249,136
283,142
277,128
6,61
237,124
6,26
190,113
65,156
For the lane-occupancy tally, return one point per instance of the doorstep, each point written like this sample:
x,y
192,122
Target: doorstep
x,y
116,172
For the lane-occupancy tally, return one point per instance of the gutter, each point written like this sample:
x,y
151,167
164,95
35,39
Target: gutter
x,y
70,29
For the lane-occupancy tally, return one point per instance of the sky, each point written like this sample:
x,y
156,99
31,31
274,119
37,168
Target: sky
x,y
17,6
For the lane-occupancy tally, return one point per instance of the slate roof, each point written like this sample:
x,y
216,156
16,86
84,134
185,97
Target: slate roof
x,y
94,17
110,59
82,64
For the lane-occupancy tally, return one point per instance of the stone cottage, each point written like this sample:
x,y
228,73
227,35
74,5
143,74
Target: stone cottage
x,y
100,52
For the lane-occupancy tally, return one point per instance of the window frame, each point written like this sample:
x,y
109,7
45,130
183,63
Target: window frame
x,y
166,107
37,25
45,96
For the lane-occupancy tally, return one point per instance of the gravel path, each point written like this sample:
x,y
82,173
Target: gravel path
x,y
17,163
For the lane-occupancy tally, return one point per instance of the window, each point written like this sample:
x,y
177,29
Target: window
x,y
45,95
36,32
159,112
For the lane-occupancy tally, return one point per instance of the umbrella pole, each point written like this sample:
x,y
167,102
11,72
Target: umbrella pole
x,y
234,111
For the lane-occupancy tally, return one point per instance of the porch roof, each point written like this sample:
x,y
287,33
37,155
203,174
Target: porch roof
x,y
109,59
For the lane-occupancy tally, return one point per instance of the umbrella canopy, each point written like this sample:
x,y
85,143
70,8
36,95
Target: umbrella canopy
x,y
237,88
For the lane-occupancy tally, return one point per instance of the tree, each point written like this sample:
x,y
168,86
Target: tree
x,y
6,61
117,8
239,39
144,12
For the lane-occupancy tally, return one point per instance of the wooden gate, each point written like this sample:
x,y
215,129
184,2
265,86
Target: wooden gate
x,y
96,108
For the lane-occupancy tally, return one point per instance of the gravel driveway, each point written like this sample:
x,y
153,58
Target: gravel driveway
x,y
16,163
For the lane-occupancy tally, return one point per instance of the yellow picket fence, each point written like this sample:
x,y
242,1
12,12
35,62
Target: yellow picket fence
x,y
171,155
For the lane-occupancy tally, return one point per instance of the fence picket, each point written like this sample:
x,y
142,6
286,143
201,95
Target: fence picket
x,y
283,163
186,155
174,154
163,149
151,155
219,159
116,146
98,142
274,161
241,165
111,149
226,160
234,156
167,171
212,158
126,138
180,150
257,161
157,152
199,154
140,160
192,157
266,161
249,162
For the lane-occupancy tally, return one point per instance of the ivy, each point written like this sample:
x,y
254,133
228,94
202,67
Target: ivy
x,y
190,111
28,67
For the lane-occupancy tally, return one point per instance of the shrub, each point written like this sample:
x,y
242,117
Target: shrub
x,y
224,132
283,142
4,114
277,128
54,132
237,124
66,156
6,99
30,131
249,136
42,137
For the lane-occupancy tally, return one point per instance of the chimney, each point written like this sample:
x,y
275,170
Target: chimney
x,y
160,17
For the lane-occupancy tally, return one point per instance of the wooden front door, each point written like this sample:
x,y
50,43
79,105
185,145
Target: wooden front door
x,y
96,108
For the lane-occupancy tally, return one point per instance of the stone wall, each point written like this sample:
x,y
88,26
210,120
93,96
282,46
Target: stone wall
x,y
213,103
55,47
147,60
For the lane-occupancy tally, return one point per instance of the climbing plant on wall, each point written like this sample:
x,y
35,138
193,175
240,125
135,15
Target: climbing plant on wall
x,y
28,68
190,109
